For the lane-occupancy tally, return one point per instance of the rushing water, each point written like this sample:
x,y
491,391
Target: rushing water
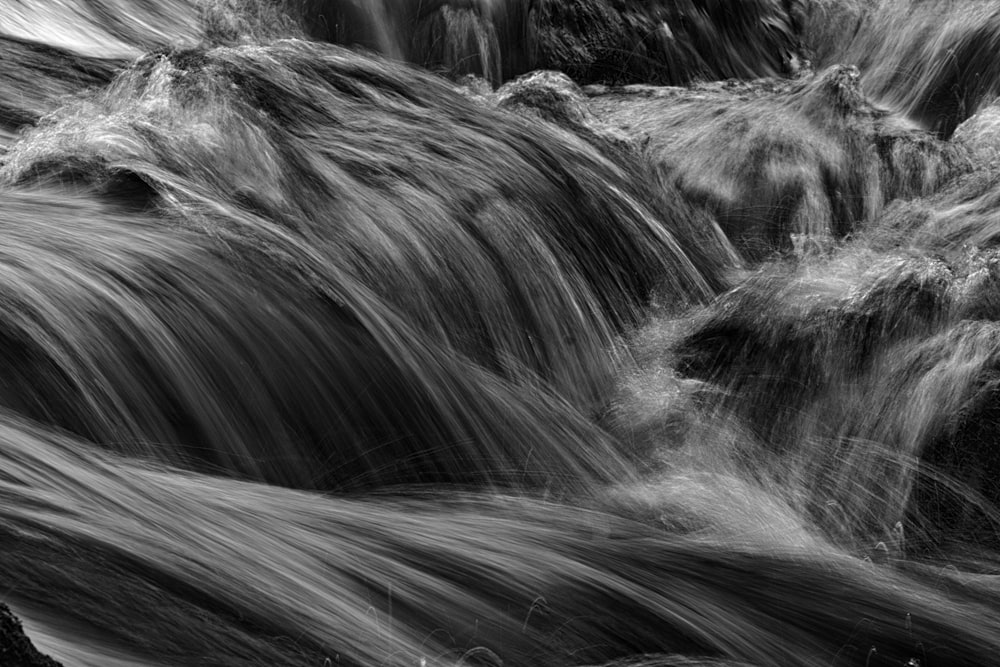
x,y
316,350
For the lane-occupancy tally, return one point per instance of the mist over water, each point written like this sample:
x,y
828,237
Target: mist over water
x,y
499,332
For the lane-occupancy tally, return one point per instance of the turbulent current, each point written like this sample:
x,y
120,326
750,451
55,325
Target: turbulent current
x,y
499,332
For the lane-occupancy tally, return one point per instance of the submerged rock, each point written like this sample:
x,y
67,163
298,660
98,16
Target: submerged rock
x,y
778,161
981,134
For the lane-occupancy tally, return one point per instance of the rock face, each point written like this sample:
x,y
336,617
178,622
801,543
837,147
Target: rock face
x,y
16,650
625,41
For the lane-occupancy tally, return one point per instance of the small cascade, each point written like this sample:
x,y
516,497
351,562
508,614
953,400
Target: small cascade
x,y
457,41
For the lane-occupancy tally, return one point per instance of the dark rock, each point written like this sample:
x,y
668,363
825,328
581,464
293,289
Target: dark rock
x,y
16,650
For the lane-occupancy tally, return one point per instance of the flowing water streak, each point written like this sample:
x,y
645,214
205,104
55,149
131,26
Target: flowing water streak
x,y
308,359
